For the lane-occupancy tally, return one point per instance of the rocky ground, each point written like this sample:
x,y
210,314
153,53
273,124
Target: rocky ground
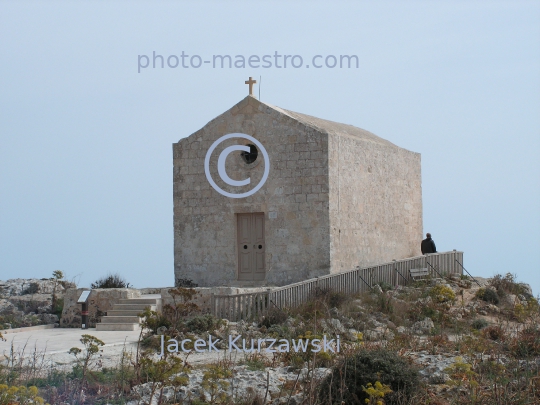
x,y
29,302
441,346
243,383
454,331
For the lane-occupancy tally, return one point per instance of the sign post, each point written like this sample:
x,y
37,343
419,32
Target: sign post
x,y
83,299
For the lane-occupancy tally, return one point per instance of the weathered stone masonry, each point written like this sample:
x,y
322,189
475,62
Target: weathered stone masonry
x,y
336,197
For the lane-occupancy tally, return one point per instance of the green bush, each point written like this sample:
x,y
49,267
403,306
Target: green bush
x,y
385,286
53,378
203,323
111,281
255,363
152,320
488,295
479,324
58,307
344,384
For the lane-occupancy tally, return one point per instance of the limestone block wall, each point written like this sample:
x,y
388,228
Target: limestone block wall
x,y
100,301
375,202
294,199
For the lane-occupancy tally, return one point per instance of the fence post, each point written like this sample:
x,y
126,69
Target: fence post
x,y
267,301
396,283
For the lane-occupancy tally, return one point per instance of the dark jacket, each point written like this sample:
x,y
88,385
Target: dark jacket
x,y
428,246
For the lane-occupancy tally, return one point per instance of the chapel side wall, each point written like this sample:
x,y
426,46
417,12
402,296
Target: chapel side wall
x,y
375,203
294,200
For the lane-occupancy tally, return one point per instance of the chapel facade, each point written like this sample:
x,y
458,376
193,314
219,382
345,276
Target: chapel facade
x,y
264,196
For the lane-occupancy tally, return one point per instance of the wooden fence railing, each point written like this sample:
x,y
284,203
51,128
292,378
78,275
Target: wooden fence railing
x,y
252,305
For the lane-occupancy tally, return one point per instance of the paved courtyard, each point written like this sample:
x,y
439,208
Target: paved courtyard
x,y
53,344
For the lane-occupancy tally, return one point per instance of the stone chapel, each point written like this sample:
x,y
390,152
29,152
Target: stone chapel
x,y
264,196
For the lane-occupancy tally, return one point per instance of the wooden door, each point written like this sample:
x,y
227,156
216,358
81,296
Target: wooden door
x,y
251,247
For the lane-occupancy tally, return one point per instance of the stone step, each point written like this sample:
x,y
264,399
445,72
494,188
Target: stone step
x,y
120,319
124,316
133,307
117,326
124,312
147,301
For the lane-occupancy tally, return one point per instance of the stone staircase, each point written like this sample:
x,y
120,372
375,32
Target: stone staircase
x,y
125,314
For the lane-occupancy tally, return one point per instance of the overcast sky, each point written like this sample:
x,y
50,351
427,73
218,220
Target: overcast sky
x,y
86,156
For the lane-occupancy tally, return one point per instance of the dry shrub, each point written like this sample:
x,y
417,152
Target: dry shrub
x,y
524,311
471,344
333,299
493,333
399,313
527,343
274,316
385,303
440,340
507,284
181,308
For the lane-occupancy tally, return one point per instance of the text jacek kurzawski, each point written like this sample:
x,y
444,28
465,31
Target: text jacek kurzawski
x,y
240,344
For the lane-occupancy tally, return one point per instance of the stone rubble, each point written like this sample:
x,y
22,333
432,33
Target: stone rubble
x,y
243,383
422,327
432,367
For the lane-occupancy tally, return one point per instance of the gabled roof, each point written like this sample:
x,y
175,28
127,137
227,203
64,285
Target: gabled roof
x,y
250,104
331,127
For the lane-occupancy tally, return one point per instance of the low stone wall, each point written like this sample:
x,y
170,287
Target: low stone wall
x,y
100,301
203,299
153,290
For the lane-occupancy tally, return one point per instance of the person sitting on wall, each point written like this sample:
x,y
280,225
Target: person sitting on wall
x,y
428,245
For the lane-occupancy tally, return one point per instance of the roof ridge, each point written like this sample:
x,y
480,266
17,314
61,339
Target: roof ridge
x,y
331,127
